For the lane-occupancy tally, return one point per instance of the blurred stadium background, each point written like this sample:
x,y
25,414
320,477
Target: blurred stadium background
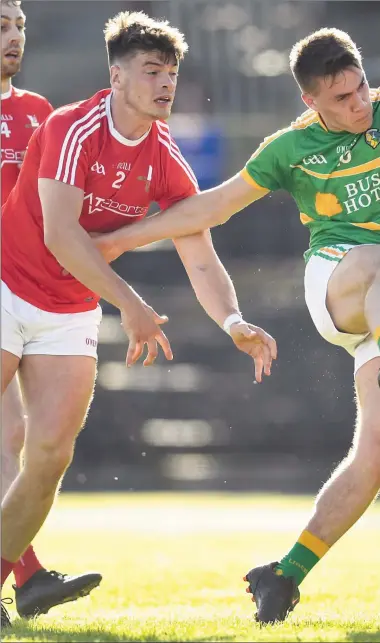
x,y
201,423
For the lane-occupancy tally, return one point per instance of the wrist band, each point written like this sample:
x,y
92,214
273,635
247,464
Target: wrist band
x,y
231,319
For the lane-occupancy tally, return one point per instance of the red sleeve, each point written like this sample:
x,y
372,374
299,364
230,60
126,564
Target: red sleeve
x,y
64,150
178,180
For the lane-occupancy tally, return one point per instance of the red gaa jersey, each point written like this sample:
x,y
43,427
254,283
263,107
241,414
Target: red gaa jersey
x,y
79,145
21,113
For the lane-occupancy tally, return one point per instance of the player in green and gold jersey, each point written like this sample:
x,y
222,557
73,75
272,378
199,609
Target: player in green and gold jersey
x,y
329,161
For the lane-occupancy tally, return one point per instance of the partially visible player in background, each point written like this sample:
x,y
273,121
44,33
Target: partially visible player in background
x,y
22,111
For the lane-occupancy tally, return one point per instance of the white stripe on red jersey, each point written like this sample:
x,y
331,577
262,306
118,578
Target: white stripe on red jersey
x,y
76,130
164,131
82,138
167,145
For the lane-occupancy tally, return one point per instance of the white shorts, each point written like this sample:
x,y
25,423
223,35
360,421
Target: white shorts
x,y
28,330
317,274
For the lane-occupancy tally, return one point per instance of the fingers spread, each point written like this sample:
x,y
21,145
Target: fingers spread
x,y
135,350
165,345
152,353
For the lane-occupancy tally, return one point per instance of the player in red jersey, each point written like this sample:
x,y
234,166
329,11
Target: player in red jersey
x,y
37,589
94,166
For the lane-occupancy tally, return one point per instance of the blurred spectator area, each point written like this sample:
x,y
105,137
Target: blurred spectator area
x,y
236,72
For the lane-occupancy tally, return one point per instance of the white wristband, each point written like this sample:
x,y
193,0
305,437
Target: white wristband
x,y
231,319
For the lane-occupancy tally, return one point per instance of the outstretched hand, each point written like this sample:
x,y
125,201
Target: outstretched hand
x,y
257,343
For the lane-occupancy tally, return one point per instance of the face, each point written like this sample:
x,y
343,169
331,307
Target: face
x,y
147,82
12,39
343,102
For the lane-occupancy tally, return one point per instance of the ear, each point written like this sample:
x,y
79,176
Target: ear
x,y
309,101
115,76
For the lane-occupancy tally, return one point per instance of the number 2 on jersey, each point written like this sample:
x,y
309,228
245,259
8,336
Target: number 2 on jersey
x,y
118,182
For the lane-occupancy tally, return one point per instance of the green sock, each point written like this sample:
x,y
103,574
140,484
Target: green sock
x,y
305,554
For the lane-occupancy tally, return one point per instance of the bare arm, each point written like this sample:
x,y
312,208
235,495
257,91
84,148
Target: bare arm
x,y
216,294
195,214
209,278
76,252
72,246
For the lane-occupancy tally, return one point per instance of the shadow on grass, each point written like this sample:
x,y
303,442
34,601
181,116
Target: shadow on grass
x,y
363,637
21,631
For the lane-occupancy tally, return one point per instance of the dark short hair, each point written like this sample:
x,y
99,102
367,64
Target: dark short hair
x,y
324,53
128,33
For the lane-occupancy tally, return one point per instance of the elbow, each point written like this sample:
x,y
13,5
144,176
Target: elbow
x,y
217,217
50,239
220,211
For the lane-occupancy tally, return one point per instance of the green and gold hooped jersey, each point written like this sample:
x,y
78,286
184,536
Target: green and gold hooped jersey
x,y
334,177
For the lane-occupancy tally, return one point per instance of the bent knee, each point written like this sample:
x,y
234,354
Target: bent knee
x,y
49,457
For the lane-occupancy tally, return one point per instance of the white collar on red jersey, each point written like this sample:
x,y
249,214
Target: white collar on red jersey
x,y
115,133
7,94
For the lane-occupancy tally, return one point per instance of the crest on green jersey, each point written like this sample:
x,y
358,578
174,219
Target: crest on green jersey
x,y
372,137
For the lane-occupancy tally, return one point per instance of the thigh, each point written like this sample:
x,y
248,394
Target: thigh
x,y
348,286
12,414
57,392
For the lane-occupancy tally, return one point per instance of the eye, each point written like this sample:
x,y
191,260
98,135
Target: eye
x,y
152,73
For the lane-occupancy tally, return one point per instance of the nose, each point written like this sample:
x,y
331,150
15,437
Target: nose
x,y
169,82
15,36
359,103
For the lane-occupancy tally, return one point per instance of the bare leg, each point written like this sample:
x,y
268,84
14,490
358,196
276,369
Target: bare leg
x,y
372,307
9,366
57,391
356,482
12,435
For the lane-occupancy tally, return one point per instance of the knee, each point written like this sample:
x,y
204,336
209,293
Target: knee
x,y
49,458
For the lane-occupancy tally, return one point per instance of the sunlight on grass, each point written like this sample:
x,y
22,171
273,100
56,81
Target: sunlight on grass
x,y
182,582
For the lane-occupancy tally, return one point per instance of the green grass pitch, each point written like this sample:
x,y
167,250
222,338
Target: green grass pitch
x,y
173,567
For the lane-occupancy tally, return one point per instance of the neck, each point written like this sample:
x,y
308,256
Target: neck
x,y
5,85
127,121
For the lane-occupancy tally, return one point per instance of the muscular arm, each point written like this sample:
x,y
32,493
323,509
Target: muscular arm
x,y
72,246
210,281
190,216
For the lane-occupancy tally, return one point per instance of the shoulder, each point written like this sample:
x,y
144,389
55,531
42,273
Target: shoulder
x,y
283,140
162,131
32,100
167,146
80,117
172,160
27,95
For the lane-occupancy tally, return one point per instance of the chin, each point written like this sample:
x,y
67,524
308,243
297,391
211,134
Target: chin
x,y
163,113
10,70
362,126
